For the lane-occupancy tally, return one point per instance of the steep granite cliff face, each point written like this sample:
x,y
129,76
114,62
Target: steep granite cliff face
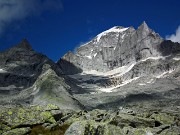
x,y
114,48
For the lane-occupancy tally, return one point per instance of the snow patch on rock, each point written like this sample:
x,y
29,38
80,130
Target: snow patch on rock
x,y
112,73
114,29
142,84
151,81
154,58
89,57
110,89
176,58
2,71
95,54
164,74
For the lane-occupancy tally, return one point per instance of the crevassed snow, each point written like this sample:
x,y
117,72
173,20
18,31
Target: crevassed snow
x,y
114,29
2,71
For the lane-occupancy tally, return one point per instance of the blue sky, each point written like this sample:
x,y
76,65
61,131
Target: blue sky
x,y
54,27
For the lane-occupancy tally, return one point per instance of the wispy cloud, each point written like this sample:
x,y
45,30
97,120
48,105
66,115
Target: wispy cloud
x,y
14,10
174,37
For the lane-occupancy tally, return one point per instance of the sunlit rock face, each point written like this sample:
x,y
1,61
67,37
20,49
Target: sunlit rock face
x,y
116,47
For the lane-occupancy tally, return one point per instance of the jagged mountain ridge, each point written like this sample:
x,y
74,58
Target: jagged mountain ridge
x,y
116,47
28,77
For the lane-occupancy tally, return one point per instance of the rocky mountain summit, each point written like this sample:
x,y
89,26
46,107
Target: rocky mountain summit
x,y
28,77
124,81
118,47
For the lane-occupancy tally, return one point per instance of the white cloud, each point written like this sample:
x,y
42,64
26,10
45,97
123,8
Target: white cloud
x,y
174,37
13,10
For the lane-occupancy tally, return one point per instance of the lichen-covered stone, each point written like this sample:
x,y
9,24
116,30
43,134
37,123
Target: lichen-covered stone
x,y
48,117
45,121
163,118
171,131
25,116
124,120
50,107
112,130
77,128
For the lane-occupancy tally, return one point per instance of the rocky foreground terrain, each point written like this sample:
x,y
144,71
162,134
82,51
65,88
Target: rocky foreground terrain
x,y
125,81
50,120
